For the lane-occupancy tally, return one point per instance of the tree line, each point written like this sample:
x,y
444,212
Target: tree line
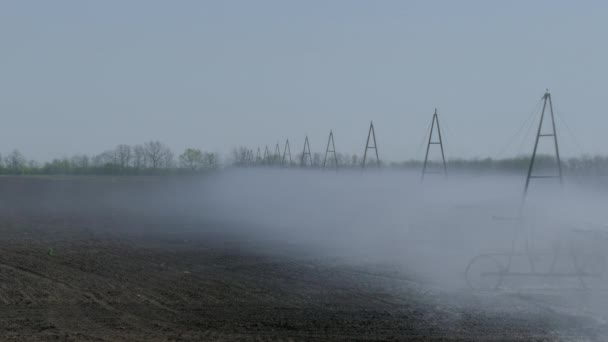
x,y
155,157
576,166
244,157
580,166
152,157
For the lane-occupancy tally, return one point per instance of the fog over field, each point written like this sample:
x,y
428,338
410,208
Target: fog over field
x,y
298,236
432,228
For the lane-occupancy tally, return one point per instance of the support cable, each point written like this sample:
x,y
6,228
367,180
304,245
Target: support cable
x,y
572,136
527,122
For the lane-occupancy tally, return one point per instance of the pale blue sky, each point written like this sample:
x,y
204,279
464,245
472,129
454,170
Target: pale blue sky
x,y
83,76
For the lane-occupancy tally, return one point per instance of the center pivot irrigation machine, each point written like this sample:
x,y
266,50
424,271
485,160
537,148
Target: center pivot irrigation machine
x,y
583,259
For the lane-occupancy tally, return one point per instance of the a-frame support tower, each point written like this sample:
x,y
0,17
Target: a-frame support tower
x,y
371,136
434,122
249,158
330,140
276,157
267,157
286,152
305,153
539,134
258,156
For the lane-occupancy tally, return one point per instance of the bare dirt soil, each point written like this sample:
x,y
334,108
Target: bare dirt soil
x,y
76,266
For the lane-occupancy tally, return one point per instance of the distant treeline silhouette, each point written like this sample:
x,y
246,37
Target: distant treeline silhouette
x,y
584,165
149,158
579,166
156,158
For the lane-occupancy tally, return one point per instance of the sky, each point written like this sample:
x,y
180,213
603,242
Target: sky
x,y
83,76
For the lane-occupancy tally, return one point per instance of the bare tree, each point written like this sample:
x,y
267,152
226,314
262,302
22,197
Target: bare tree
x,y
80,161
153,150
316,159
158,155
139,157
168,159
97,161
211,160
355,160
240,156
15,162
123,156
342,160
104,158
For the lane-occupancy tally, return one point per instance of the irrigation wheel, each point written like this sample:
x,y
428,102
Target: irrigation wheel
x,y
591,269
484,272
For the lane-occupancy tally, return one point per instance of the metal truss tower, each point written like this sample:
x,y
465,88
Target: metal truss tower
x,y
553,135
306,152
434,122
330,140
371,135
286,152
